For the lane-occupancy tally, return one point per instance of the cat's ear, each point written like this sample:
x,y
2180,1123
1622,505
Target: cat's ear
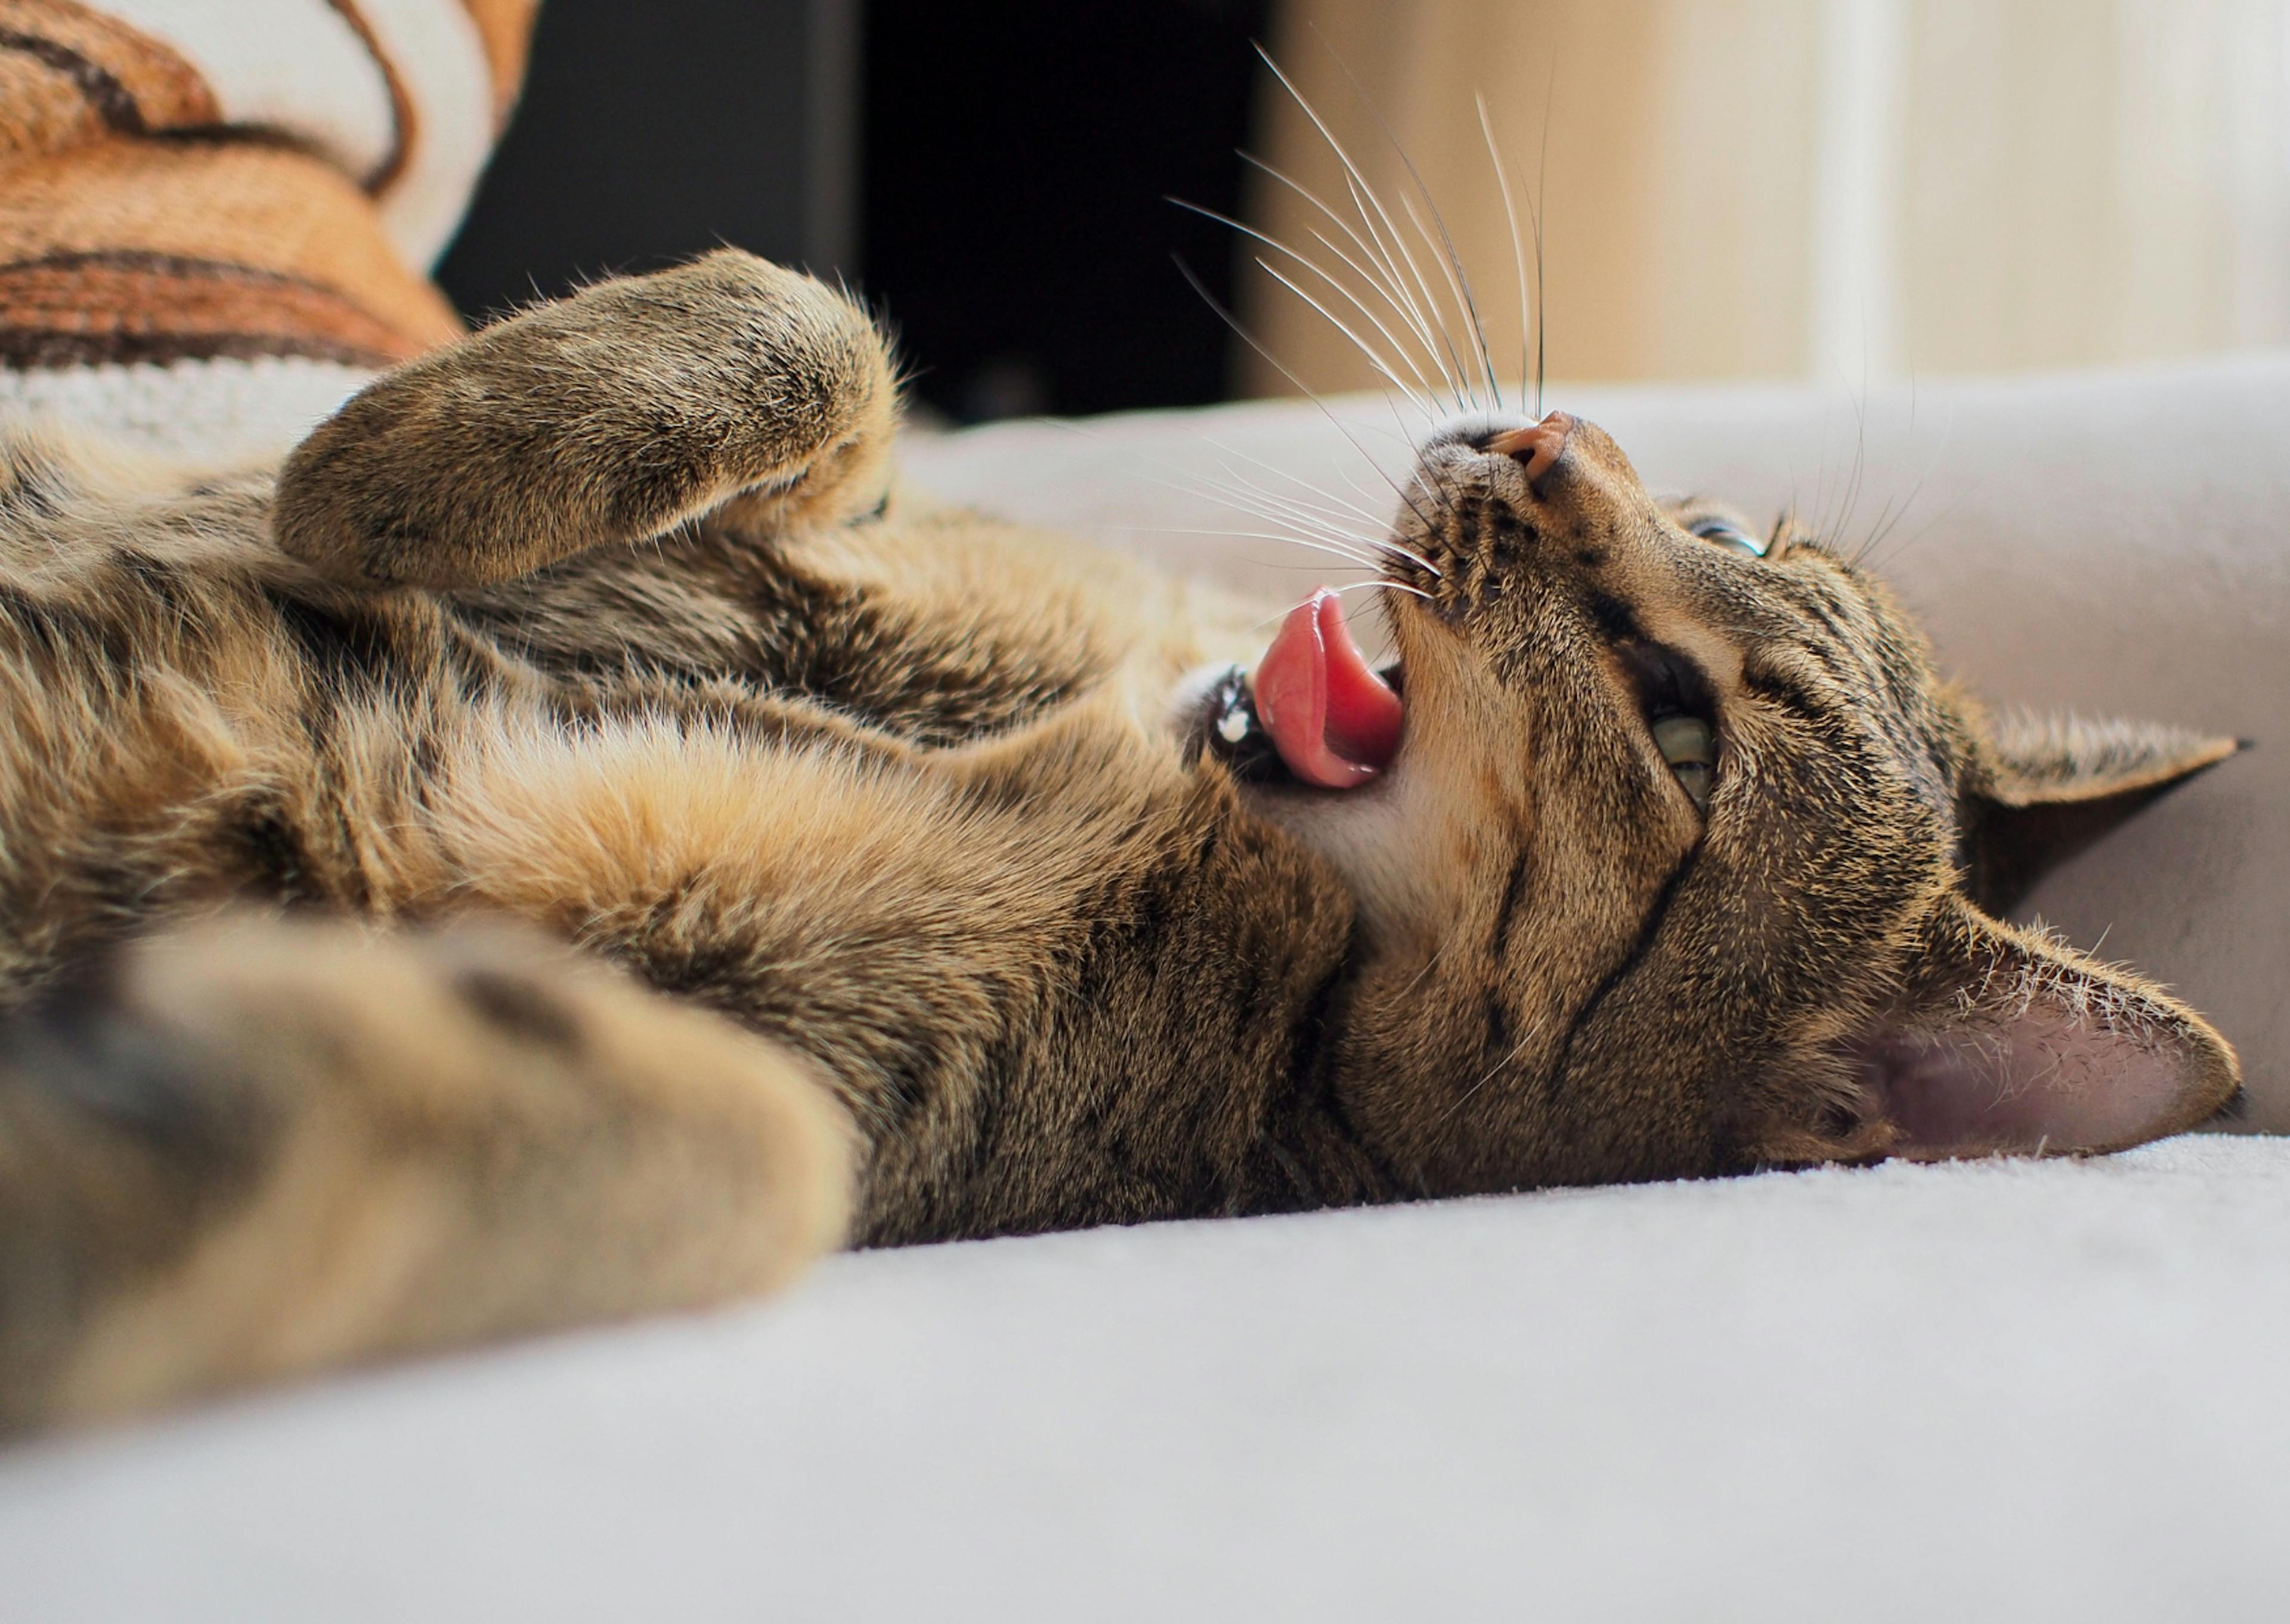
x,y
2043,787
2001,1040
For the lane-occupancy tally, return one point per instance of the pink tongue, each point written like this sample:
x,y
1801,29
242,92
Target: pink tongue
x,y
1335,723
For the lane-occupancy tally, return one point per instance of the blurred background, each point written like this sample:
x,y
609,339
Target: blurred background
x,y
1843,190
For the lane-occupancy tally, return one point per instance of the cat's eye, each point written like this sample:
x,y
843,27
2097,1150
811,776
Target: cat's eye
x,y
1727,533
1690,746
1680,712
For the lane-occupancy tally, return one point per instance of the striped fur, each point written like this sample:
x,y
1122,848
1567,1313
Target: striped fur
x,y
904,900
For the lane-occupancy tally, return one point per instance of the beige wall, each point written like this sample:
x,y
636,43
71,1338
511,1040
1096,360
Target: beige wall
x,y
1782,187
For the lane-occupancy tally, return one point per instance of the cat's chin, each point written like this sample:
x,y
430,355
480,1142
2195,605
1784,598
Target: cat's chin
x,y
1356,828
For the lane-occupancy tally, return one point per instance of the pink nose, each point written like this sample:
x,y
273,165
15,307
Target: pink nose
x,y
1538,447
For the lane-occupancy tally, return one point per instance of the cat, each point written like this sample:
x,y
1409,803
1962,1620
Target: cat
x,y
578,839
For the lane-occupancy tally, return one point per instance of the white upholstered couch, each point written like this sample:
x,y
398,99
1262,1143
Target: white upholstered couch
x,y
1989,1390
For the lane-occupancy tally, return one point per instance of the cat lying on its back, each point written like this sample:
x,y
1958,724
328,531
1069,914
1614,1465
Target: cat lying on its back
x,y
924,886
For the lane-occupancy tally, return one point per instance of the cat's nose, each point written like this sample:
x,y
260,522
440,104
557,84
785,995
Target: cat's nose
x,y
1538,446
1574,468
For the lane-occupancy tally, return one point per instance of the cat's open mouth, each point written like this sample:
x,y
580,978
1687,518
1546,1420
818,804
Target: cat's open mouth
x,y
1313,712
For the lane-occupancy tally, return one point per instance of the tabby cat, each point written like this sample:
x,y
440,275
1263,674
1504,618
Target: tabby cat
x,y
576,840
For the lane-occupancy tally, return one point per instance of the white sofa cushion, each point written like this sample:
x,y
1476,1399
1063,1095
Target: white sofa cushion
x,y
1999,1390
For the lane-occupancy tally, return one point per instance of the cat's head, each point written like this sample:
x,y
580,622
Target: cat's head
x,y
1676,862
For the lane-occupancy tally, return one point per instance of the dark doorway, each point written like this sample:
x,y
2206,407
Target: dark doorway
x,y
1016,160
991,176
649,134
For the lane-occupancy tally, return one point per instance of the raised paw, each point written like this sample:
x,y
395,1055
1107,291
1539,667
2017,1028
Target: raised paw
x,y
599,421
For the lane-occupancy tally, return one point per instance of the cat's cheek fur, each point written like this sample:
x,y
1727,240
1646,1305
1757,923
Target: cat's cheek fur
x,y
1373,837
1432,836
1442,824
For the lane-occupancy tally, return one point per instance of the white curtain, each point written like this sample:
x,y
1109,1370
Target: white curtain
x,y
1844,188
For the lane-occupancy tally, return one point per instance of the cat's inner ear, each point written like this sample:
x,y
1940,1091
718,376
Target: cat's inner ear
x,y
2045,788
2002,1042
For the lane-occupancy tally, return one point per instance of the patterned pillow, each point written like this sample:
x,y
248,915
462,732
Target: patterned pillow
x,y
216,216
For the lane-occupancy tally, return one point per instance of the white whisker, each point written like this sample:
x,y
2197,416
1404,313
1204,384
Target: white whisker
x,y
1464,1098
1360,549
1363,198
1377,284
1359,189
1385,283
1518,250
1301,525
1270,501
1235,492
1459,288
1385,585
1318,535
1459,279
1380,540
1353,559
1375,358
1535,214
1288,372
1268,504
1422,388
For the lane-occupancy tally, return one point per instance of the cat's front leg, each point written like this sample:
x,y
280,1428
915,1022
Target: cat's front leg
x,y
600,420
258,1149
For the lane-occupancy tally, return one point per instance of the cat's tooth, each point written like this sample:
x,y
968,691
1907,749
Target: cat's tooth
x,y
1234,726
1685,741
